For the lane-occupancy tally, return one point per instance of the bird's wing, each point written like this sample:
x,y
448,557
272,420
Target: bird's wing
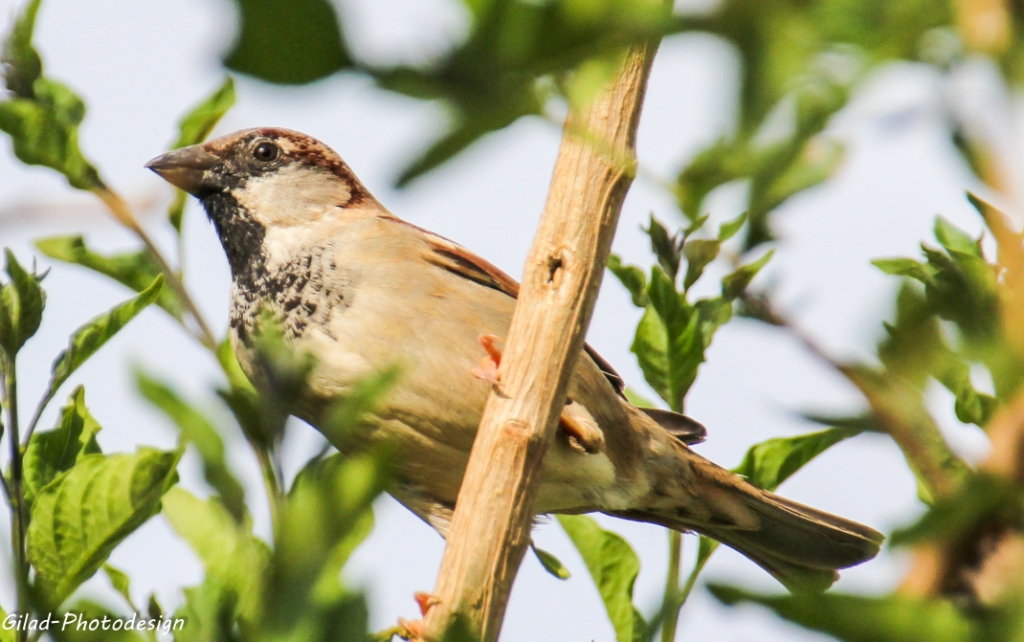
x,y
451,256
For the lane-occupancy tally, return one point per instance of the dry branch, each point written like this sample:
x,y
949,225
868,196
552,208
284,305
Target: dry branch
x,y
490,527
987,563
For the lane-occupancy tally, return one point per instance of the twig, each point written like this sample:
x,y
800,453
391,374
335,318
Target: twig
x,y
671,599
272,483
490,526
119,208
14,490
894,402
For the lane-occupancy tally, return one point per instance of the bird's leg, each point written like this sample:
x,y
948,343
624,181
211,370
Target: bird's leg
x,y
425,601
488,370
415,630
581,429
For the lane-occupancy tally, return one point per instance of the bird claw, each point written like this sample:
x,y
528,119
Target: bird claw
x,y
416,629
411,630
488,370
425,601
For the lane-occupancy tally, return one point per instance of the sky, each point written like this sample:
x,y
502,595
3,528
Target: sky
x,y
141,65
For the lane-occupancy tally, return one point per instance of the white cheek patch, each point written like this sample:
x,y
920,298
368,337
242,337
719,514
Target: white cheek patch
x,y
292,195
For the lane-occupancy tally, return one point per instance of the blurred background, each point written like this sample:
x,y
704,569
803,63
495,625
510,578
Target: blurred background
x,y
140,65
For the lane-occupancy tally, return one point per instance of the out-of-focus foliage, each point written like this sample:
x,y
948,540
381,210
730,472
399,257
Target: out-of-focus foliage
x,y
194,127
959,317
137,270
864,619
798,61
487,80
42,115
674,331
613,566
957,312
80,516
288,41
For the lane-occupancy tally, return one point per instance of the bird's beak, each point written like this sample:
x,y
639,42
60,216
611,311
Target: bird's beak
x,y
190,168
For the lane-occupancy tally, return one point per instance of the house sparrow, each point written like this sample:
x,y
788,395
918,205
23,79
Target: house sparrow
x,y
362,290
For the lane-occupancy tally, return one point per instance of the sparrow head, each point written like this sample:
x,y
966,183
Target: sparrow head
x,y
256,181
278,176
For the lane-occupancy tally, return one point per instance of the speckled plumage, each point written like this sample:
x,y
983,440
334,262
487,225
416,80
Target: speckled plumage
x,y
362,290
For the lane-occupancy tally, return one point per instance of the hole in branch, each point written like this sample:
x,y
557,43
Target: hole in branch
x,y
555,265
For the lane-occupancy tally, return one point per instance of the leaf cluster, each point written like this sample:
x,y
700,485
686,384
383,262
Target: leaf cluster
x,y
675,332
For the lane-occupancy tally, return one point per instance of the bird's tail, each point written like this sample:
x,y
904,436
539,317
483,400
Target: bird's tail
x,y
800,546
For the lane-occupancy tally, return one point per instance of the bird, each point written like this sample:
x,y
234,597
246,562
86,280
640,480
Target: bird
x,y
362,291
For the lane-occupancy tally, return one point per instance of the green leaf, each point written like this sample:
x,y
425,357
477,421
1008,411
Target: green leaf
x,y
720,163
198,430
735,283
467,130
21,306
291,42
88,339
197,124
964,290
327,515
43,116
866,421
666,342
730,228
853,618
22,62
345,422
637,399
699,252
905,267
614,566
153,608
672,336
632,278
971,406
490,79
769,463
914,347
231,555
550,563
954,239
194,127
137,270
52,452
6,635
231,368
121,583
209,612
667,248
80,517
815,164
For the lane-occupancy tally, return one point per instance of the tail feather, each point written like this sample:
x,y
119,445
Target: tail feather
x,y
800,546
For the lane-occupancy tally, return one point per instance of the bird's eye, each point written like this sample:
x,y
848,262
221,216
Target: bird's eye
x,y
266,152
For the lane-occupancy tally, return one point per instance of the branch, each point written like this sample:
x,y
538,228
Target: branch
x,y
490,527
989,562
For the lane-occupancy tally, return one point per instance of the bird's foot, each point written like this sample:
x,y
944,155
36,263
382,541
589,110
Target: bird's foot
x,y
488,370
425,601
581,429
416,629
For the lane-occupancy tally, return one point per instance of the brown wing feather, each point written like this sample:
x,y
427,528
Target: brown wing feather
x,y
458,260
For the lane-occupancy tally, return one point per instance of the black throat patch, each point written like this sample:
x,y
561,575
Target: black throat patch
x,y
300,291
240,234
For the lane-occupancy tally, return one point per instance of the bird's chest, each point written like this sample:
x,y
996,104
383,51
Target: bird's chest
x,y
300,293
